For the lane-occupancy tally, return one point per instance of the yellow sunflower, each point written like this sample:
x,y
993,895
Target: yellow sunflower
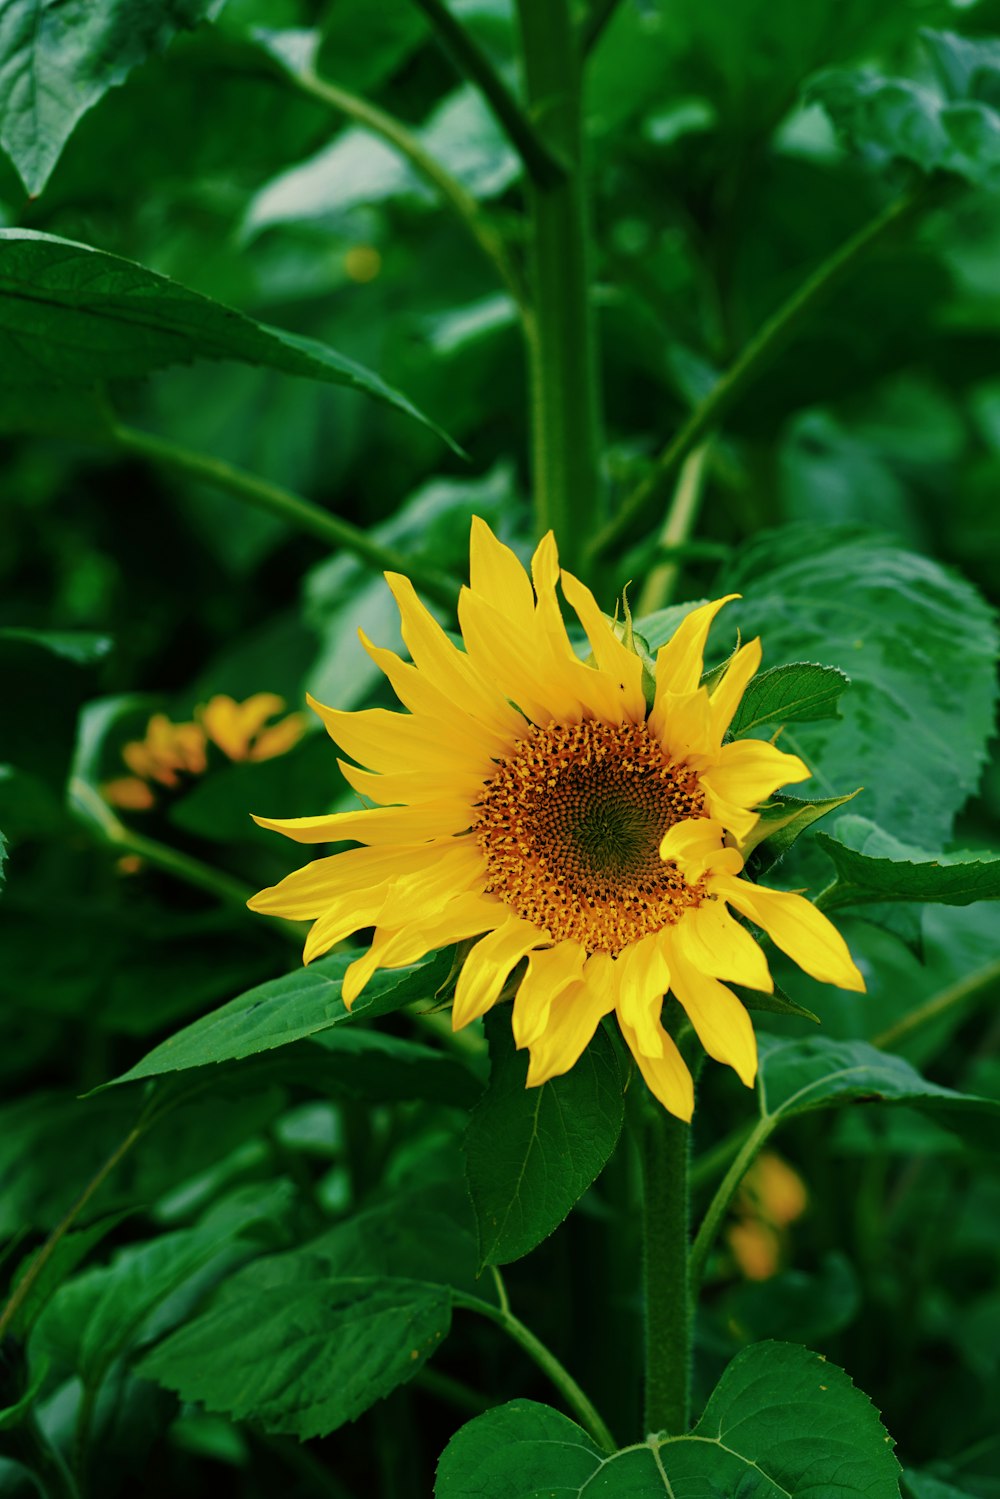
x,y
534,801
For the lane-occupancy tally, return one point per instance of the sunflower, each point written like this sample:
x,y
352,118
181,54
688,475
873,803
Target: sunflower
x,y
535,802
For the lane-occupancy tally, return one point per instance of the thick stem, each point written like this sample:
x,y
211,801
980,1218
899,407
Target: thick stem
x,y
539,160
766,342
289,507
561,341
665,1145
550,1366
457,197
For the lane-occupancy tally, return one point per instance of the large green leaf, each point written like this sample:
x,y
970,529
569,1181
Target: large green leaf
x,y
73,315
58,59
288,1009
919,646
797,1077
307,1353
872,866
782,1421
531,1153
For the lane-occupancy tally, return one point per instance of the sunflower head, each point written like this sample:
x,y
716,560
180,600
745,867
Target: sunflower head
x,y
569,816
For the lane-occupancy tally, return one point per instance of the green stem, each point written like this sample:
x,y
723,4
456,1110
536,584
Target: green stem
x,y
658,589
767,341
718,1207
665,1149
483,234
540,162
48,1249
289,507
546,1360
101,820
561,342
974,986
719,1156
597,18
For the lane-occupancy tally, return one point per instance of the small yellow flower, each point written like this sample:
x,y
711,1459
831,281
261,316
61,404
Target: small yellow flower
x,y
772,1196
532,800
129,793
167,750
239,728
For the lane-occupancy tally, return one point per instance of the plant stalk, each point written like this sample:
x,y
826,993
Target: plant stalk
x,y
665,1149
770,338
540,162
303,514
469,213
972,987
546,1360
561,339
658,589
717,1208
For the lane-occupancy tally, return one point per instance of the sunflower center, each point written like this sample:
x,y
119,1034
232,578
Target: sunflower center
x,y
570,827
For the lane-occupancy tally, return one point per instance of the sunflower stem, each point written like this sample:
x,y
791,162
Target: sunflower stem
x,y
665,1151
561,342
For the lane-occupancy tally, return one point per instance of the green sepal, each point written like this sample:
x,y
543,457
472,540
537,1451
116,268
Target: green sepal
x,y
782,820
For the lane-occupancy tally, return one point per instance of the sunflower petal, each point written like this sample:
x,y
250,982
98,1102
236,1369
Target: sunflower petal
x,y
723,1025
488,966
696,845
794,924
729,691
749,770
496,574
550,970
642,977
375,825
611,654
679,663
463,917
573,1018
666,1076
712,941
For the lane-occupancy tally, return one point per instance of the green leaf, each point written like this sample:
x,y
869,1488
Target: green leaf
x,y
776,1003
45,672
919,645
782,820
288,1009
873,866
305,1354
781,1421
786,694
799,1076
955,128
531,1153
57,61
73,315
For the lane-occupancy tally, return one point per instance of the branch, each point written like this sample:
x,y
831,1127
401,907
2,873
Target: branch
x,y
290,507
769,339
458,198
540,161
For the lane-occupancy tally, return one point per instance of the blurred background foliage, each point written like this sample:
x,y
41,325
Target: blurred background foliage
x,y
718,187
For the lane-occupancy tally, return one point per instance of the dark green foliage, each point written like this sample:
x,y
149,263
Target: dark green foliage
x,y
781,1421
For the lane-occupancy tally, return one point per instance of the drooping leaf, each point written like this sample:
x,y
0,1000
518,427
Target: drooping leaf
x,y
288,1009
776,1003
926,1486
873,866
787,694
799,1076
781,1421
918,644
57,61
71,1249
71,315
307,1354
531,1153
